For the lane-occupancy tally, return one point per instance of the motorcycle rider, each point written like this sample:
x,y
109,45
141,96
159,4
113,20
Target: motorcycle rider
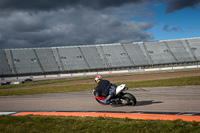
x,y
104,90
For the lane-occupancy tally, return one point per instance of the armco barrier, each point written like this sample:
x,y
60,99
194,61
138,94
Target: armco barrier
x,y
102,73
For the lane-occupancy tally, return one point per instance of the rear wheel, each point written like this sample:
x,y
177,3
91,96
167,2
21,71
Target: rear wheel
x,y
128,99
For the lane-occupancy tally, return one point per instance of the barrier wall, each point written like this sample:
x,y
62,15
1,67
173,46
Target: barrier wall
x,y
101,73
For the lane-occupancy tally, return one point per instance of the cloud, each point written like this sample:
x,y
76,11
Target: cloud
x,y
193,28
44,23
52,4
71,26
169,29
174,5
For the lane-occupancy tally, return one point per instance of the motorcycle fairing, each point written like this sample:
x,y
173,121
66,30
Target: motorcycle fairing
x,y
120,88
100,98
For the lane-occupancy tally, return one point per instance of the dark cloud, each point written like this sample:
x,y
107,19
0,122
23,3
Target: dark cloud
x,y
52,4
168,28
174,5
70,26
43,23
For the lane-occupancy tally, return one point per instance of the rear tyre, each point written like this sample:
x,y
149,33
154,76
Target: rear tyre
x,y
128,99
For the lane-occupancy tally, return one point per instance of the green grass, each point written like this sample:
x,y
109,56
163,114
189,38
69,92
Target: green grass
x,y
40,83
55,124
43,90
186,81
85,78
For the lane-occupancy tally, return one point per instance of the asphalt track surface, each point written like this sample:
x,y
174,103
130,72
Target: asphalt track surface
x,y
184,99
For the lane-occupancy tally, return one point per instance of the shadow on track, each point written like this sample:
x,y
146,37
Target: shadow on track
x,y
139,103
143,103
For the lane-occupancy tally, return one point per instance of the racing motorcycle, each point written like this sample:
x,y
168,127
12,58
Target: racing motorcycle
x,y
120,97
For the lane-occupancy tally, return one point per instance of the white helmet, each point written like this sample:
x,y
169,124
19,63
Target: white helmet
x,y
97,78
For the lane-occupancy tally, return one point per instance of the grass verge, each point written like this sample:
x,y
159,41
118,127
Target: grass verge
x,y
55,124
40,83
186,81
85,78
43,90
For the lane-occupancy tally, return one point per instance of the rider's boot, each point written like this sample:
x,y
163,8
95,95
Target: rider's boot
x,y
113,101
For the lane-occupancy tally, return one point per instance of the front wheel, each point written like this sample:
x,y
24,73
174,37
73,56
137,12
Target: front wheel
x,y
100,101
128,99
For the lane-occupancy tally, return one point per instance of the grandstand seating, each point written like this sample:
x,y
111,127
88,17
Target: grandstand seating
x,y
57,58
116,56
47,60
72,59
10,61
179,51
136,54
4,66
93,58
195,47
25,61
159,53
32,61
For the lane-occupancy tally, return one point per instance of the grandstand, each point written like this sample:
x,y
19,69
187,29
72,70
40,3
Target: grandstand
x,y
67,59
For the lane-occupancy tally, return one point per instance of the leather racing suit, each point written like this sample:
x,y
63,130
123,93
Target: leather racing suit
x,y
105,91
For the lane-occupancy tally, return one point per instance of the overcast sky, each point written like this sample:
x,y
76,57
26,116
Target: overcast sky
x,y
47,23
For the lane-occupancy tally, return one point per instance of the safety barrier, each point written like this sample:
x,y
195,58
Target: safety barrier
x,y
102,73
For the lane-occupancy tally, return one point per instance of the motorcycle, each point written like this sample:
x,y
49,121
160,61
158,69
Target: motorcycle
x,y
120,97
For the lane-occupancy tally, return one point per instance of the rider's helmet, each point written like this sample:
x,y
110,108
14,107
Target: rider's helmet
x,y
97,78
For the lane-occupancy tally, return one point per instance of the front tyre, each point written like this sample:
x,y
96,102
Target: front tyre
x,y
128,99
100,101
